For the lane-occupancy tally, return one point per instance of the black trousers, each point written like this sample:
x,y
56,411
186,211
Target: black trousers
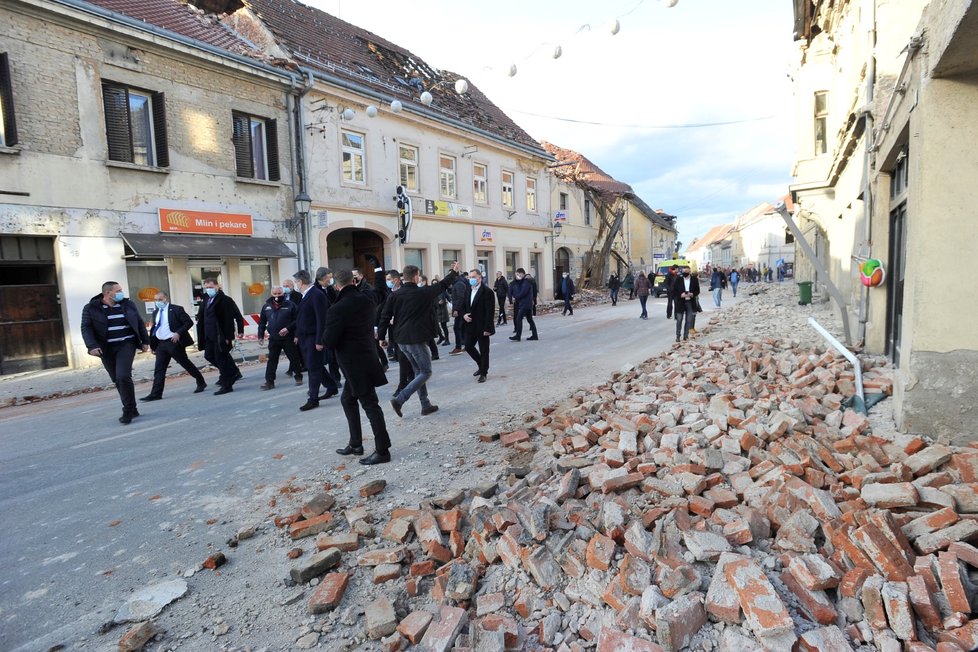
x,y
567,306
117,359
444,331
215,354
275,347
433,348
165,351
501,303
690,319
521,313
313,359
331,369
459,328
477,346
668,305
351,408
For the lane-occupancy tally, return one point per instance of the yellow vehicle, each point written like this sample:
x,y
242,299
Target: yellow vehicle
x,y
662,271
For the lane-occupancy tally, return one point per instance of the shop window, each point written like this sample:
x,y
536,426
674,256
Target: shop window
x,y
145,280
8,126
135,125
409,156
255,147
256,286
354,156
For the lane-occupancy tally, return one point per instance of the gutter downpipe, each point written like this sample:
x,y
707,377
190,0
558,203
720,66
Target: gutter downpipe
x,y
868,166
849,355
303,222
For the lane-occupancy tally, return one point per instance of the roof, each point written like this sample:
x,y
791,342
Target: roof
x,y
324,43
574,167
658,218
182,19
712,236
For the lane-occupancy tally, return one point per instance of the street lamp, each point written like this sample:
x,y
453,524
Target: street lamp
x,y
302,205
555,228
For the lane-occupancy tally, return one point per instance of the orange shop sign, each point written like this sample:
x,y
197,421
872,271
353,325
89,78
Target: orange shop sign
x,y
178,220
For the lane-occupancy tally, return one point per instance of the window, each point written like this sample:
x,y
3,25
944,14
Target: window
x,y
448,258
788,237
447,175
8,126
135,125
821,122
479,194
587,212
353,157
409,167
255,147
531,195
508,189
512,263
562,203
415,257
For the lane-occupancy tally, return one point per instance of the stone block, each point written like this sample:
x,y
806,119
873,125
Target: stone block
x,y
441,634
679,621
380,617
315,565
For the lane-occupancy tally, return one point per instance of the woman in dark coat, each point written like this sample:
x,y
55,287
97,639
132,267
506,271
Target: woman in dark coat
x,y
442,316
501,288
642,288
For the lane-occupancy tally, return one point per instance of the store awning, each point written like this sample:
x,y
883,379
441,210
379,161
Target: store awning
x,y
153,245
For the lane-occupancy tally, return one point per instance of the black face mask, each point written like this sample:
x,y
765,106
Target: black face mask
x,y
685,274
278,299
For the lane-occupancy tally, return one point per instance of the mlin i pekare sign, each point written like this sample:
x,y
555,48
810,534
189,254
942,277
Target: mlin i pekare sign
x,y
178,220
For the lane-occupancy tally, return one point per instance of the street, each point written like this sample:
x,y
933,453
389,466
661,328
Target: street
x,y
93,510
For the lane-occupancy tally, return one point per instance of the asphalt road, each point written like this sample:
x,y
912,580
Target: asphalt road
x,y
92,510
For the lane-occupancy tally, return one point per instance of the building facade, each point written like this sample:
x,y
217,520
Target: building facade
x,y
760,238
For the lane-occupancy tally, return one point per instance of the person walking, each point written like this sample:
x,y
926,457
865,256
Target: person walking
x,y
521,293
716,286
324,281
349,331
734,281
642,291
442,316
614,285
477,313
567,292
295,365
432,346
685,291
536,291
458,289
501,288
112,330
169,338
218,319
277,319
629,284
310,323
409,309
670,281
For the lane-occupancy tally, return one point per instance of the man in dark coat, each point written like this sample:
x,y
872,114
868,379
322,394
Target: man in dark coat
x,y
567,292
478,309
310,323
277,320
216,320
112,329
459,288
521,294
684,292
350,332
614,285
670,283
501,289
169,339
324,281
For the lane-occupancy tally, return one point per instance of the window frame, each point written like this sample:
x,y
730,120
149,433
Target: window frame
x,y
563,201
8,120
402,162
446,174
507,192
353,152
587,212
244,159
531,195
821,121
484,180
120,145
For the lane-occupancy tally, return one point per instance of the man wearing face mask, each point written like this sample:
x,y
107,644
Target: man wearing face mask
x,y
685,290
567,292
112,329
331,372
278,320
169,339
217,318
295,365
521,294
478,311
310,324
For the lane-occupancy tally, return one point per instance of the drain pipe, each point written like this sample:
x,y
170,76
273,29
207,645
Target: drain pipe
x,y
849,355
303,223
868,165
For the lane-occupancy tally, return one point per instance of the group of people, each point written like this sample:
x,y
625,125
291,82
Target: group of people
x,y
325,325
682,294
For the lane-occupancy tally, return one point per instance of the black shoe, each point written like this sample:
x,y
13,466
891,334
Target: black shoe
x,y
532,337
677,339
477,373
226,389
431,409
200,387
298,379
236,378
350,450
436,357
135,413
330,393
270,384
146,399
482,378
514,339
397,407
376,458
309,405
126,418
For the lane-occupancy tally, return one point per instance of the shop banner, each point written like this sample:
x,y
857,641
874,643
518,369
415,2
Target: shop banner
x,y
178,220
484,236
446,208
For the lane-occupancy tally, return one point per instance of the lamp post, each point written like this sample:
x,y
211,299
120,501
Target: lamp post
x,y
555,228
302,205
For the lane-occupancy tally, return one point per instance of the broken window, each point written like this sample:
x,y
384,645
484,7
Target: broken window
x,y
353,157
447,175
479,184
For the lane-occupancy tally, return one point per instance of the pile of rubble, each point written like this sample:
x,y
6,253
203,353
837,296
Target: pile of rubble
x,y
720,497
583,298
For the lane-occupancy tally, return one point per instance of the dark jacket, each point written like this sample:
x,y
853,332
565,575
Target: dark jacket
x,y
276,316
441,307
536,288
228,316
716,279
642,285
349,333
483,311
310,320
629,281
95,325
614,283
410,309
567,289
521,293
179,323
679,287
459,288
501,288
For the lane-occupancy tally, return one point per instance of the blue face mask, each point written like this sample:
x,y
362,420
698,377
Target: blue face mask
x,y
211,292
159,305
119,296
390,285
287,291
473,282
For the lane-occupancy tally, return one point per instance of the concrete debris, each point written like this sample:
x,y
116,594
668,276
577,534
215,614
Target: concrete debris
x,y
150,601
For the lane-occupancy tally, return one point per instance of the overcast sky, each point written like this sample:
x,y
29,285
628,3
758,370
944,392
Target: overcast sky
x,y
702,61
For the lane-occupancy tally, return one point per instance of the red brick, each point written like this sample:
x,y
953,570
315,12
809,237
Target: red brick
x,y
501,623
872,600
329,593
815,604
600,550
136,638
965,636
932,522
852,582
765,612
824,639
386,573
621,482
701,506
896,601
923,603
414,626
382,556
513,438
372,488
678,622
884,554
347,542
813,572
422,568
449,521
949,573
441,634
965,552
610,640
311,526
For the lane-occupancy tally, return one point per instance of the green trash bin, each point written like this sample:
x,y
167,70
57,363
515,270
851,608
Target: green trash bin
x,y
804,293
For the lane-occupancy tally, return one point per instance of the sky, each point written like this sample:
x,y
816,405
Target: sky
x,y
700,62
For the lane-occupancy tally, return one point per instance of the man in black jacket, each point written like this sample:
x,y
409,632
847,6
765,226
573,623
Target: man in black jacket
x,y
685,289
310,323
350,332
112,329
216,320
459,288
324,281
278,320
410,310
670,283
169,339
501,288
478,310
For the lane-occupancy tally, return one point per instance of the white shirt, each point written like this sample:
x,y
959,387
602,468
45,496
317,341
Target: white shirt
x,y
686,282
472,296
163,331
